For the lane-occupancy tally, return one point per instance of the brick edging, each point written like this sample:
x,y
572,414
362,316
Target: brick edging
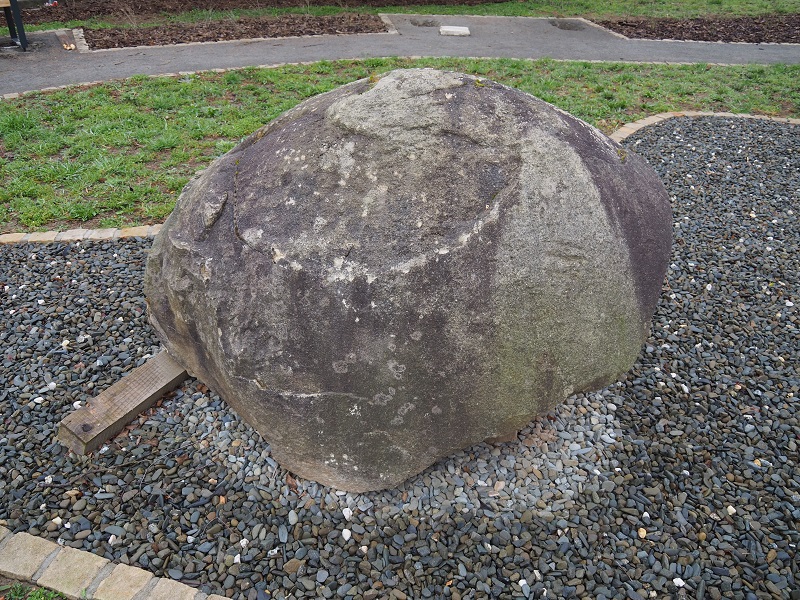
x,y
80,574
74,235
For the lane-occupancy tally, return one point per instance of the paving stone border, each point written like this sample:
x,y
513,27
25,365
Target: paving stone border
x,y
77,235
79,574
630,128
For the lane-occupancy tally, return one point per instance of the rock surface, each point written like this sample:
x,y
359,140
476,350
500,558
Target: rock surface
x,y
402,267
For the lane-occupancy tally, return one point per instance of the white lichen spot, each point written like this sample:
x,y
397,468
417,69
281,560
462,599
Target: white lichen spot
x,y
355,410
436,410
417,261
205,270
319,224
340,366
416,335
396,369
252,236
381,399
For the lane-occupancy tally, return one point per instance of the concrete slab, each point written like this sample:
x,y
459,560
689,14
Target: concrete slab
x,y
4,533
102,234
72,235
72,572
24,554
11,238
44,237
454,30
166,589
123,583
140,231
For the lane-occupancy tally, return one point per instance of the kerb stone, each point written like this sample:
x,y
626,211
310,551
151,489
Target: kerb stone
x,y
23,555
166,589
123,583
72,572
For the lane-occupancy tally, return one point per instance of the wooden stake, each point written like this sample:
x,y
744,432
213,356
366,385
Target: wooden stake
x,y
107,414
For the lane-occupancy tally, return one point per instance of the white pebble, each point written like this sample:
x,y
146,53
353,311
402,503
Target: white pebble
x,y
679,582
348,514
346,534
731,510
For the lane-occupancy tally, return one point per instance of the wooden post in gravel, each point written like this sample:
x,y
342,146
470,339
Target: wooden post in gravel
x,y
107,414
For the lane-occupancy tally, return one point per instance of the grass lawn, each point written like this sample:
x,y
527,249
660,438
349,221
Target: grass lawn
x,y
11,590
118,154
526,8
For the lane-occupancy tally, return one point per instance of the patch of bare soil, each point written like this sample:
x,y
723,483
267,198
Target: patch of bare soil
x,y
137,11
233,29
783,29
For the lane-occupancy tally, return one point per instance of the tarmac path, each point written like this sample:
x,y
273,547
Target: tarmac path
x,y
47,64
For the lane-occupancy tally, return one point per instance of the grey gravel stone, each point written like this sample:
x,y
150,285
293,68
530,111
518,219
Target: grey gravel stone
x,y
718,360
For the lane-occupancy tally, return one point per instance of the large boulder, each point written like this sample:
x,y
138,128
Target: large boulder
x,y
405,266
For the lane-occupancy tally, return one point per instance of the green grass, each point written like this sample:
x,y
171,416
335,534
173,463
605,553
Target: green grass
x,y
531,8
119,153
19,591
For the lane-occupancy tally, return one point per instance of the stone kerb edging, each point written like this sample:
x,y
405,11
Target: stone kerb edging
x,y
74,235
82,575
77,235
630,128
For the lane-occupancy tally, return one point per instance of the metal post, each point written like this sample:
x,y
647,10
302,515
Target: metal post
x,y
15,27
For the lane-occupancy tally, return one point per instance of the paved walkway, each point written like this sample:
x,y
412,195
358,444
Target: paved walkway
x,y
47,64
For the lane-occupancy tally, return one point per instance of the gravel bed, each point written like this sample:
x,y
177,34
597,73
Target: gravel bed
x,y
680,481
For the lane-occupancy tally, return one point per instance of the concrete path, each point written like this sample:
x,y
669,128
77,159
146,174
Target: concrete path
x,y
47,64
